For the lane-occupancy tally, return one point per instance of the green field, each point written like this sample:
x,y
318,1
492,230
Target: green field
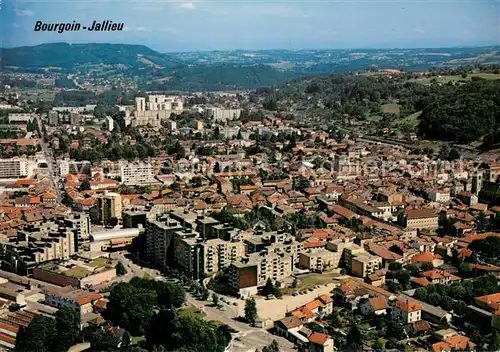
x,y
374,118
412,120
191,311
391,109
137,339
310,280
455,78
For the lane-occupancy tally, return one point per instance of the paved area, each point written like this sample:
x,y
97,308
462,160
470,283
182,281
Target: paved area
x,y
248,338
276,309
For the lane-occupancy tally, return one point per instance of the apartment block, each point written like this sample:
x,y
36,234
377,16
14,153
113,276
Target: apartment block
x,y
363,265
254,271
137,173
188,252
219,254
159,239
18,167
37,244
109,206
220,114
318,260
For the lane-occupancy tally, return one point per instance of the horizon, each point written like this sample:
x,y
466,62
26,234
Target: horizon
x,y
221,25
255,50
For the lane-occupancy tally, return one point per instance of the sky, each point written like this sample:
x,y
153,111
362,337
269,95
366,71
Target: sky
x,y
173,26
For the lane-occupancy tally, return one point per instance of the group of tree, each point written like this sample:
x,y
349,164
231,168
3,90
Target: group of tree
x,y
45,334
458,295
131,305
178,332
272,289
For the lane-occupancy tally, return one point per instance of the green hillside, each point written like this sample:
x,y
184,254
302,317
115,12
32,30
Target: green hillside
x,y
70,56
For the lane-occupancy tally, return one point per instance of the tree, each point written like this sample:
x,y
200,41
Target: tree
x,y
403,277
113,221
444,152
126,340
354,337
395,266
378,345
421,294
250,311
38,336
120,269
85,185
68,323
268,288
131,307
434,299
426,266
495,341
101,338
273,347
186,333
453,155
215,300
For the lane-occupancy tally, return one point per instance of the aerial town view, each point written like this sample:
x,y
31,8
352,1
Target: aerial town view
x,y
248,176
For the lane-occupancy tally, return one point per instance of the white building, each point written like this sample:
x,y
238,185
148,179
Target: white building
x,y
20,117
406,312
137,173
110,123
220,114
153,110
439,195
18,167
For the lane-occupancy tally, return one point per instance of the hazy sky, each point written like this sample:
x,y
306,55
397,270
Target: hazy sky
x,y
169,26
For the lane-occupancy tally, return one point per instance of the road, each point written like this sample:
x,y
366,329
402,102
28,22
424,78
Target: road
x,y
50,161
132,268
248,338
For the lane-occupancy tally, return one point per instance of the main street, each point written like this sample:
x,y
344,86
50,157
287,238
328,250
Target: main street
x,y
49,156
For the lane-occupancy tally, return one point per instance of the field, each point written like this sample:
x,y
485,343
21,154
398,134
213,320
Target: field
x,y
455,78
374,118
137,339
412,120
77,272
309,280
390,109
191,311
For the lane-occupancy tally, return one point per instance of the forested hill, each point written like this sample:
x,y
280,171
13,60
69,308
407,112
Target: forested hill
x,y
461,105
70,56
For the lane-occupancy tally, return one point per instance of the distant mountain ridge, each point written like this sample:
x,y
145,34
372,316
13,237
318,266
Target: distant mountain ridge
x,y
221,70
68,56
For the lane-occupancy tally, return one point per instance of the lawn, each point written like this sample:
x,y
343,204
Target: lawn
x,y
99,262
137,339
191,311
390,109
77,272
310,280
374,118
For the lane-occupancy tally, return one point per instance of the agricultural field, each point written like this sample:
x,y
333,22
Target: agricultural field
x,y
391,109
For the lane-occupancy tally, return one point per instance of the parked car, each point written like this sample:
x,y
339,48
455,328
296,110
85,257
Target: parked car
x,y
270,297
295,294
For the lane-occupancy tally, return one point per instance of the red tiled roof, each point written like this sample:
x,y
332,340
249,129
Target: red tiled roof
x,y
318,338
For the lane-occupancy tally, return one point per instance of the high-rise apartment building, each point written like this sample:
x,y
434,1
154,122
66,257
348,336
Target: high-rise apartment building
x,y
137,173
109,206
18,167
